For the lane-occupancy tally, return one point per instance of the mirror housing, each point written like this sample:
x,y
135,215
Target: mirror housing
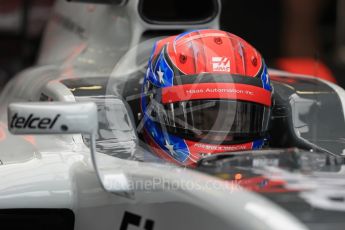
x,y
52,118
35,118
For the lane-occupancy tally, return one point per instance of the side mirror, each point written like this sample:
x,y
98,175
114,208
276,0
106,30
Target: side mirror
x,y
65,118
52,118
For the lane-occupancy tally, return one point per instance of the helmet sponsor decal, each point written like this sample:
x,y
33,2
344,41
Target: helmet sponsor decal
x,y
220,64
216,91
198,147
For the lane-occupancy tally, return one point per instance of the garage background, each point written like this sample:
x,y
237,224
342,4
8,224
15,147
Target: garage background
x,y
313,29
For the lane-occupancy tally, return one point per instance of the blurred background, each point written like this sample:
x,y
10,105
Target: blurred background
x,y
305,36
21,26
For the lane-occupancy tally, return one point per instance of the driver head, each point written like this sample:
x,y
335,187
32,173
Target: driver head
x,y
204,92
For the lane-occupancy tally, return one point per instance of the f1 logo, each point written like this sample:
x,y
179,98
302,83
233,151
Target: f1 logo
x,y
134,219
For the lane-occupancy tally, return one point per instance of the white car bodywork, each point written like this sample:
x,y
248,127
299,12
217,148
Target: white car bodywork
x,y
56,172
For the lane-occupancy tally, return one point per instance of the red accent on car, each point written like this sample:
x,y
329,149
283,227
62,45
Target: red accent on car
x,y
307,66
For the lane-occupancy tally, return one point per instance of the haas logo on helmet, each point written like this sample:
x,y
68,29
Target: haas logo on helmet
x,y
220,64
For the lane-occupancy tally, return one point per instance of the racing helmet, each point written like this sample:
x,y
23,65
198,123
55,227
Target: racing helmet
x,y
204,92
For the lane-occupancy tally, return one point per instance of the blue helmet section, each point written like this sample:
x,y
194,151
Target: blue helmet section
x,y
161,74
174,146
265,78
258,144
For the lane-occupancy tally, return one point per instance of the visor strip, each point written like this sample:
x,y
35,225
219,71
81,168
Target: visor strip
x,y
216,91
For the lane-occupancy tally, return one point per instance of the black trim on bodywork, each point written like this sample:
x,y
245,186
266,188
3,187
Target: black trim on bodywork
x,y
324,119
37,219
208,19
96,86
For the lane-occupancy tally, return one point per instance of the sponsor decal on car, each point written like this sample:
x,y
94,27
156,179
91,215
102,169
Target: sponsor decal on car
x,y
33,122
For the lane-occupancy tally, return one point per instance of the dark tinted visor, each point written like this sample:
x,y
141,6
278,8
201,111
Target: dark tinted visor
x,y
225,121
